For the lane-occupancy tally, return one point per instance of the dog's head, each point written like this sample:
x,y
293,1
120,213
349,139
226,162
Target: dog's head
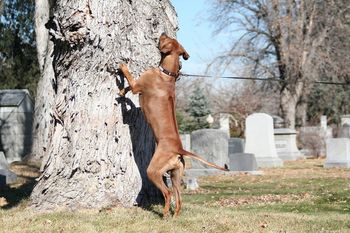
x,y
169,46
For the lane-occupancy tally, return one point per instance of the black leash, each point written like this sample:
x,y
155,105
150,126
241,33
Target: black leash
x,y
260,79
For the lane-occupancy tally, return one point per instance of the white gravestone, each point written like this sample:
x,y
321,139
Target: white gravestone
x,y
324,122
225,122
186,141
260,140
323,125
286,144
338,153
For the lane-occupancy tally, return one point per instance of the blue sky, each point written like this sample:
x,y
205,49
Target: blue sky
x,y
196,34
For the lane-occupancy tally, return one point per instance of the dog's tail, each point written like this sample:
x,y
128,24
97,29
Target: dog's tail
x,y
197,157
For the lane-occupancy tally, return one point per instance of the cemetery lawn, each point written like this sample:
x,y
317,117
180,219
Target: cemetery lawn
x,y
300,197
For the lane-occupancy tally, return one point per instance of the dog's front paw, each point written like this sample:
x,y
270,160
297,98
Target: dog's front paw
x,y
123,67
122,92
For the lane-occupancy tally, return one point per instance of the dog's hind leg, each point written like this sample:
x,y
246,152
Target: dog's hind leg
x,y
176,175
155,171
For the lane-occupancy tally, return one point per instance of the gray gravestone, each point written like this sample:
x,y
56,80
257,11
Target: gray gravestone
x,y
212,145
286,144
3,162
16,117
242,162
235,145
6,176
345,131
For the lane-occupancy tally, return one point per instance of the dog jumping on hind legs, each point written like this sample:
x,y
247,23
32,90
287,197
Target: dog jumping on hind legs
x,y
157,101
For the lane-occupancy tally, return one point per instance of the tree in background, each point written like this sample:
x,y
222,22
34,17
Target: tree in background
x,y
240,100
294,41
195,115
329,100
18,62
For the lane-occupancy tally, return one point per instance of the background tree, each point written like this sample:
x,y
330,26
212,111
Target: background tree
x,y
195,115
329,100
240,99
44,98
18,63
285,39
99,145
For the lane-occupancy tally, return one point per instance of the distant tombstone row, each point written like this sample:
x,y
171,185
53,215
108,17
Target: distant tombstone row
x,y
266,145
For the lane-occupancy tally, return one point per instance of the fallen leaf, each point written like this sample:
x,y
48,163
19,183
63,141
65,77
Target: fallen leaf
x,y
263,225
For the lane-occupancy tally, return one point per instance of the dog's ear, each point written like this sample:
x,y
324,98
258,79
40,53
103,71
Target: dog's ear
x,y
165,47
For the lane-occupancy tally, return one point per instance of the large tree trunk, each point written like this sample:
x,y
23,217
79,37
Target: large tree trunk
x,y
45,93
100,144
290,96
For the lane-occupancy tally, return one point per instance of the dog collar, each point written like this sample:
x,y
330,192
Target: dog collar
x,y
168,72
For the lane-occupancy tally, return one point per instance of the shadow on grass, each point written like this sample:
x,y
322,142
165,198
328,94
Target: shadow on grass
x,y
21,189
14,196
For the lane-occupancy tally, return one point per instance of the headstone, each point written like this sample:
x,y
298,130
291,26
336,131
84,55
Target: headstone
x,y
225,122
327,130
345,131
191,183
235,145
16,117
242,162
338,153
260,140
212,145
186,141
6,176
278,122
345,119
3,162
186,144
324,122
286,144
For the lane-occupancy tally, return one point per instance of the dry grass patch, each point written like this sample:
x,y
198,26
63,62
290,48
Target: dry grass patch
x,y
264,199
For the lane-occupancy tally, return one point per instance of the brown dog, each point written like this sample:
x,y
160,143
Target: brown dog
x,y
157,100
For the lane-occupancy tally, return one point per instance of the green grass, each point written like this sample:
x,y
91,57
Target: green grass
x,y
300,197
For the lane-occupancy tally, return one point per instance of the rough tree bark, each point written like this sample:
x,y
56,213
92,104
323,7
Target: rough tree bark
x,y
100,144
